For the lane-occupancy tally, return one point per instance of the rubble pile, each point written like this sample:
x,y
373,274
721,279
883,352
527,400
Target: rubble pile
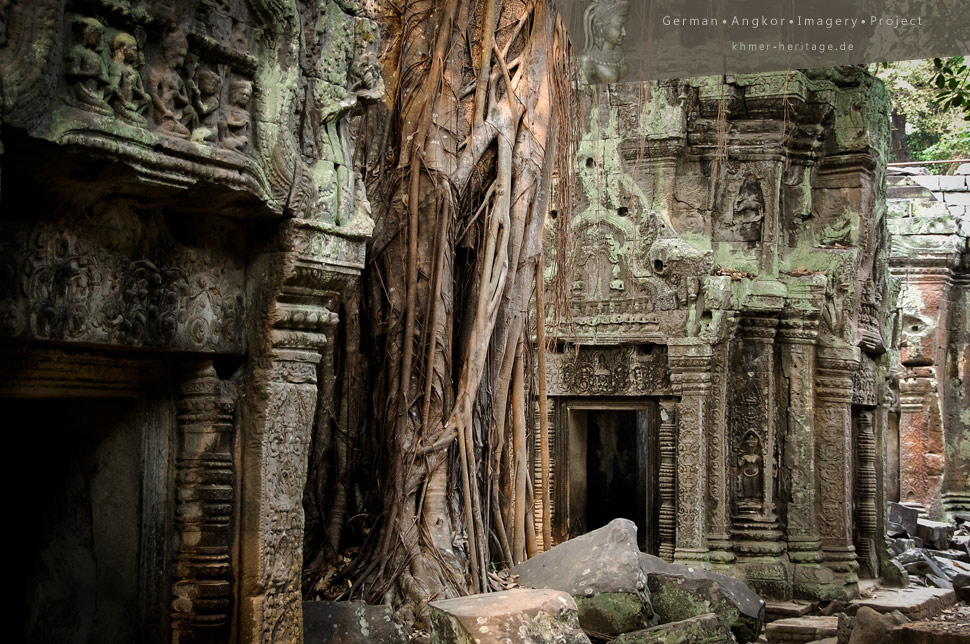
x,y
617,593
926,553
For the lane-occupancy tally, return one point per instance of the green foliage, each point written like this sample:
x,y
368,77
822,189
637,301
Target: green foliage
x,y
936,128
952,82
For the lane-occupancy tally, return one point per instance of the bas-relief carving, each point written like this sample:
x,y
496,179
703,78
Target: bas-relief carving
x,y
746,215
751,472
94,280
609,372
604,26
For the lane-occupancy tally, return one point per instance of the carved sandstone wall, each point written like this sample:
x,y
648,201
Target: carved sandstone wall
x,y
930,224
726,266
180,217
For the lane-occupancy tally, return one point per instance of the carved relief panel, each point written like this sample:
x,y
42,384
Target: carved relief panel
x,y
117,275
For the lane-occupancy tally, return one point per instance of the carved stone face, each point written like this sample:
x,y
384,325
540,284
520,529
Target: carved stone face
x,y
614,31
92,33
241,93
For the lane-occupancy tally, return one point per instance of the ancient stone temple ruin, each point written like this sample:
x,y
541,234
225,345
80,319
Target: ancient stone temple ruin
x,y
929,464
183,216
727,288
179,220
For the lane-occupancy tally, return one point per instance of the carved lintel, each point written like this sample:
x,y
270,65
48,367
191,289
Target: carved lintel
x,y
202,588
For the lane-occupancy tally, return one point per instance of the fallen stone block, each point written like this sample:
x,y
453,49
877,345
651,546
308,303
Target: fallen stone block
x,y
872,627
679,592
518,616
601,571
927,633
351,623
935,534
801,629
904,517
961,584
703,629
920,562
914,603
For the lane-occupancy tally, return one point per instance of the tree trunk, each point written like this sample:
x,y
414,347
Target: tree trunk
x,y
458,212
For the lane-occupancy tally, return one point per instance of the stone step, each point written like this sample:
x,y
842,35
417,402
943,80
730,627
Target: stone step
x,y
798,630
783,610
915,603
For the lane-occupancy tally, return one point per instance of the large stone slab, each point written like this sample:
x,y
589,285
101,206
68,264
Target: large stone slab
x,y
679,592
801,629
351,623
904,516
601,571
518,616
914,603
703,629
935,534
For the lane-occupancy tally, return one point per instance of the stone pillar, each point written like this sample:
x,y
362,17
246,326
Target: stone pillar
x,y
833,454
301,283
202,576
668,477
690,375
281,404
865,483
718,471
797,337
956,391
752,427
920,440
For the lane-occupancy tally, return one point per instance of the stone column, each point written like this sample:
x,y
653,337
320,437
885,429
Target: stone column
x,y
668,477
300,285
866,495
202,576
797,337
833,454
690,375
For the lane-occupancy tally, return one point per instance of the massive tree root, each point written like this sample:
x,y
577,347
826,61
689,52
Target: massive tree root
x,y
440,464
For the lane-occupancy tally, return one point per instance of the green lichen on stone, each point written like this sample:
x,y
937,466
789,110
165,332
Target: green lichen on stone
x,y
613,613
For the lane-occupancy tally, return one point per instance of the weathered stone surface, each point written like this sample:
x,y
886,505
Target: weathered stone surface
x,y
872,627
914,603
703,629
801,629
935,534
903,516
351,623
518,616
679,592
602,573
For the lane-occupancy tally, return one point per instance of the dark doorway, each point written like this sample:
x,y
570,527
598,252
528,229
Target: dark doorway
x,y
616,472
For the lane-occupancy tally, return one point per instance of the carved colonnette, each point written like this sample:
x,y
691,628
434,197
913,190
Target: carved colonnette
x,y
202,605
